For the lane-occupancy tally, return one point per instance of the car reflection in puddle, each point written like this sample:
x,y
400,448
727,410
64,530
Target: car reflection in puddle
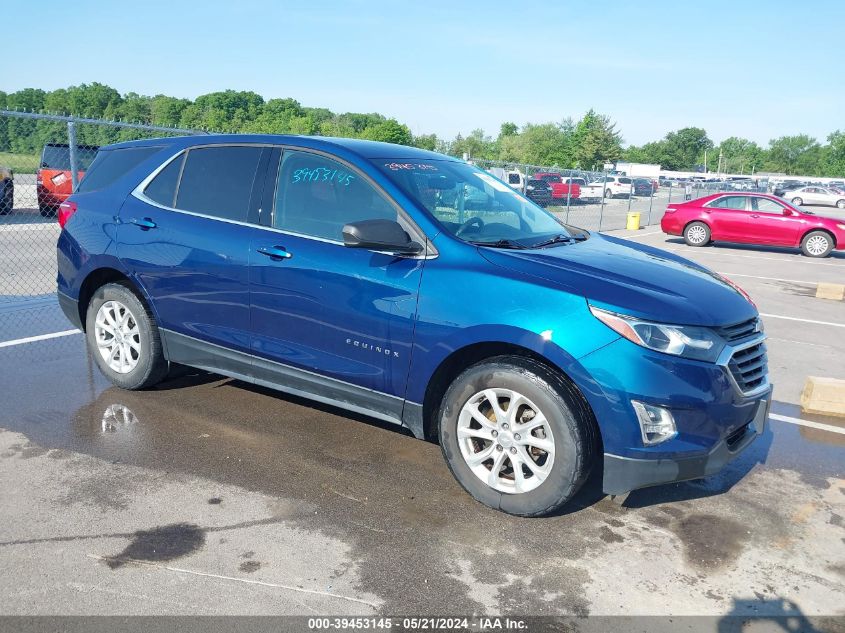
x,y
117,417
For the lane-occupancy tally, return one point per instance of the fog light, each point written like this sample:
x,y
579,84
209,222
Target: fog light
x,y
656,423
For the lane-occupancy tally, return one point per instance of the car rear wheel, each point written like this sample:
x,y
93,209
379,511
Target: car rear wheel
x,y
7,202
124,339
797,202
840,204
817,244
515,437
697,234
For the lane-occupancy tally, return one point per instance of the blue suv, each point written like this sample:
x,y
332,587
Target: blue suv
x,y
414,288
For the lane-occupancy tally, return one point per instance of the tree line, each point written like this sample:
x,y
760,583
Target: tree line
x,y
587,143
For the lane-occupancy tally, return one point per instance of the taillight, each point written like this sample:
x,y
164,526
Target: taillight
x,y
671,209
66,210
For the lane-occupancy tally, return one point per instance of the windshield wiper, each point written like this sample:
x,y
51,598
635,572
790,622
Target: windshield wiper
x,y
558,239
501,244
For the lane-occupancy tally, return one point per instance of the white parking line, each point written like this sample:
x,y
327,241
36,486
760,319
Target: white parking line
x,y
808,423
791,260
29,227
638,236
792,281
788,318
40,337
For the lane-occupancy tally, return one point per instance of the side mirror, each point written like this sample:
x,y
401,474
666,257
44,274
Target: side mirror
x,y
380,235
788,212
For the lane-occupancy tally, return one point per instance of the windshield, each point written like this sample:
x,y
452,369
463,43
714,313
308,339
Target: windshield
x,y
472,204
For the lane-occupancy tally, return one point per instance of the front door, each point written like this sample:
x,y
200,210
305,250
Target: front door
x,y
322,313
773,225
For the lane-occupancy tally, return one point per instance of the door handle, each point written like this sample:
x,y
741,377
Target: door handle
x,y
754,215
274,252
144,223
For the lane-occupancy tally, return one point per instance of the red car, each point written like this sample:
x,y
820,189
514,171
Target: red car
x,y
561,187
54,183
752,218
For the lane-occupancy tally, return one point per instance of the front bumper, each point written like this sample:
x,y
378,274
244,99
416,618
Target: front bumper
x,y
624,474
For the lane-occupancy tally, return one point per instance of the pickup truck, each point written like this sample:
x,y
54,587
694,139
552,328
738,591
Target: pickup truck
x,y
562,188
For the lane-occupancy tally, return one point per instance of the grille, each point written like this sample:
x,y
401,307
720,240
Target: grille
x,y
749,367
732,333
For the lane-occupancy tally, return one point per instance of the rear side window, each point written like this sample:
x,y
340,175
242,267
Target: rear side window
x,y
513,179
110,165
162,189
218,181
729,202
625,181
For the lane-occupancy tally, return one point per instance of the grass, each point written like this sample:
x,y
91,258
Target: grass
x,y
19,163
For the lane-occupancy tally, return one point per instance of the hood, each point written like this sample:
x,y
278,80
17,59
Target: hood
x,y
632,279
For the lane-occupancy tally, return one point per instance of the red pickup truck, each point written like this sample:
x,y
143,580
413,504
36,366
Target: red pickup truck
x,y
561,187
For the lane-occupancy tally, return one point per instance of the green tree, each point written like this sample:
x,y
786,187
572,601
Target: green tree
x,y
427,141
685,148
794,155
832,161
595,141
389,131
738,155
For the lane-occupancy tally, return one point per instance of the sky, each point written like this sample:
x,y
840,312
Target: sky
x,y
759,70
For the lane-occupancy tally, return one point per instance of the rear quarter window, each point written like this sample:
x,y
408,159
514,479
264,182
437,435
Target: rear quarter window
x,y
110,165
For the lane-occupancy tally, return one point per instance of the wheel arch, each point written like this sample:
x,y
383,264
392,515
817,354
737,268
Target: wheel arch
x,y
99,277
818,229
464,357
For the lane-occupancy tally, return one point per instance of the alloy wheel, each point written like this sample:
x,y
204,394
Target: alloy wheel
x,y
118,337
696,234
817,245
506,440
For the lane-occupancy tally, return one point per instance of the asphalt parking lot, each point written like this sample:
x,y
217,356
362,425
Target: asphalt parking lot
x,y
210,496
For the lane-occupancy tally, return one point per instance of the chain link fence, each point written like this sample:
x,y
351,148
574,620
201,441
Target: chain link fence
x,y
603,201
42,158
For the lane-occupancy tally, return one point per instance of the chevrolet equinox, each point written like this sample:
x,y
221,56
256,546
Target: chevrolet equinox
x,y
414,288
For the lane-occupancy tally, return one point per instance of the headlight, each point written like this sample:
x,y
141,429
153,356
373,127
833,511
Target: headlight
x,y
698,343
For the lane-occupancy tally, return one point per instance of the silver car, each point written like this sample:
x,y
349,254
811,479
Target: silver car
x,y
815,195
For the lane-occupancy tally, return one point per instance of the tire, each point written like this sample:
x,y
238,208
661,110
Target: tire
x,y
144,364
608,194
840,204
559,473
817,244
48,210
797,202
7,202
697,234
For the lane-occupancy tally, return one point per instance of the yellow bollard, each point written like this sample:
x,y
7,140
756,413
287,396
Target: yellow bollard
x,y
633,221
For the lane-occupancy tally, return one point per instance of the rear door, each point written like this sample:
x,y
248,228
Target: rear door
x,y
184,235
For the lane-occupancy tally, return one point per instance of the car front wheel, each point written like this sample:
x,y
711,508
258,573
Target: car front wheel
x,y
817,244
515,436
840,204
123,338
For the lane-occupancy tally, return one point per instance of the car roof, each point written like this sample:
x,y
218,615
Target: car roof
x,y
363,148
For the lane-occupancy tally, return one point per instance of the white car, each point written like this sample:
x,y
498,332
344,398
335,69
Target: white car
x,y
815,195
613,186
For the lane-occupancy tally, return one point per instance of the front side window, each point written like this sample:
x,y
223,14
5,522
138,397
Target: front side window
x,y
218,181
316,196
471,204
766,206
